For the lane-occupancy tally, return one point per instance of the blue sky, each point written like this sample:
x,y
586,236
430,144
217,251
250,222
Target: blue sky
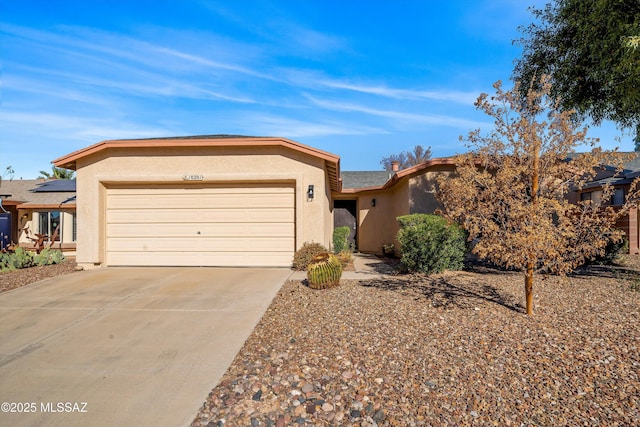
x,y
361,79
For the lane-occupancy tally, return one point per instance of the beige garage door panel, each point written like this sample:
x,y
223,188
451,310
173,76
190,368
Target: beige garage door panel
x,y
229,229
167,244
190,259
200,215
225,226
201,197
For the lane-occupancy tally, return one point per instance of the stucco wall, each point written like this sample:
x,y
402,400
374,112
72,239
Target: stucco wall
x,y
215,165
377,224
422,191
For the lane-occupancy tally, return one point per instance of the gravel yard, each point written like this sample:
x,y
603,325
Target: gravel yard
x,y
17,278
452,349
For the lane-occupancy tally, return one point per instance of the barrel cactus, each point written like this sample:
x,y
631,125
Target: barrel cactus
x,y
324,271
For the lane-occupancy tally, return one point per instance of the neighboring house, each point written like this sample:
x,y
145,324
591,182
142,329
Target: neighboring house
x,y
621,183
225,200
31,207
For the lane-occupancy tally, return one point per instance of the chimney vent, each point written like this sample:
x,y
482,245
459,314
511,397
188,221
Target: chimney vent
x,y
395,165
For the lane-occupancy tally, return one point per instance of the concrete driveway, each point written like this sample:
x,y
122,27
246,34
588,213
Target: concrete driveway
x,y
125,346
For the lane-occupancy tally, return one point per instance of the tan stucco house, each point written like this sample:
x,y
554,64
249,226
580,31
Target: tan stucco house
x,y
232,201
34,208
214,200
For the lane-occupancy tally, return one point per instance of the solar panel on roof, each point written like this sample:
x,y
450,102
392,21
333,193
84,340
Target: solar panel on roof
x,y
56,186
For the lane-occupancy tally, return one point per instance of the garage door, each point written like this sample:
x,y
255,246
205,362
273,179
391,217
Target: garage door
x,y
243,225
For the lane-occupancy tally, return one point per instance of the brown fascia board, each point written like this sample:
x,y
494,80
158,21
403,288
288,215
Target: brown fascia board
x,y
409,172
332,162
46,206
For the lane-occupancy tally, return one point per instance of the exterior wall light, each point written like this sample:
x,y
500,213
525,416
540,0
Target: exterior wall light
x,y
373,203
310,193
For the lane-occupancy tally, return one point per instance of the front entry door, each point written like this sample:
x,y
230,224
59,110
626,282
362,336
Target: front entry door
x,y
345,214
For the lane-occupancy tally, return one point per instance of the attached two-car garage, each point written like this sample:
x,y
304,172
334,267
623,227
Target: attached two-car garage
x,y
215,200
196,225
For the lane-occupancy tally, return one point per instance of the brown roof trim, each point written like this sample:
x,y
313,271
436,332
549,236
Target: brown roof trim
x,y
56,206
332,161
409,172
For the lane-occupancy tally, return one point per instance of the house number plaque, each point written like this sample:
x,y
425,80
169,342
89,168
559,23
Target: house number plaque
x,y
194,177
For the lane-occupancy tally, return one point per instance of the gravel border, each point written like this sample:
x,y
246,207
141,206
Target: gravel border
x,y
451,349
25,276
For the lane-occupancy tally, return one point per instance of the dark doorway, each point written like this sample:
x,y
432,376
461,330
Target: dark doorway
x,y
345,213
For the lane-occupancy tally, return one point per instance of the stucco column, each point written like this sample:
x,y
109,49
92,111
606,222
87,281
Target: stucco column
x,y
633,231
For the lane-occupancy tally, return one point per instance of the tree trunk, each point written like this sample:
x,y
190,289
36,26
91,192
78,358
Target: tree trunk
x,y
528,287
528,278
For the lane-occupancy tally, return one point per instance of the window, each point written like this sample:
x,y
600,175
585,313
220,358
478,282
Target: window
x,y
594,196
618,197
48,222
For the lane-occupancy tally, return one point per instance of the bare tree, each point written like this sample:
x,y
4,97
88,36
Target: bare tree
x,y
407,159
510,191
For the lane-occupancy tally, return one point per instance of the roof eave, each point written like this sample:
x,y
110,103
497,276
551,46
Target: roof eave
x,y
332,161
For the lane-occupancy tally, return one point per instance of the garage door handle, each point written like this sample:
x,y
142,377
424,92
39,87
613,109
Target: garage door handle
x,y
198,233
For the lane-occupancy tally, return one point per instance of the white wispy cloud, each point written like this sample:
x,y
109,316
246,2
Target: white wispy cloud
x,y
430,119
281,30
267,124
213,64
137,82
41,89
98,47
467,98
74,128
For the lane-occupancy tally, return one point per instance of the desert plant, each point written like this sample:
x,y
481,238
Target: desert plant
x,y
430,244
388,249
345,257
324,271
48,257
341,239
21,258
305,254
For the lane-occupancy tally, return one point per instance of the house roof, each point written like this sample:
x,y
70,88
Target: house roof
x,y
332,161
364,179
633,165
38,194
630,171
395,178
56,186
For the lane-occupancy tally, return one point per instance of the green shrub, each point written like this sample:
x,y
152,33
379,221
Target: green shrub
x,y
22,258
341,239
388,250
305,254
48,257
324,271
429,244
611,252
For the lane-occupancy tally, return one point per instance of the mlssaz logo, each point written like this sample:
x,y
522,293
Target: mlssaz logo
x,y
63,407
